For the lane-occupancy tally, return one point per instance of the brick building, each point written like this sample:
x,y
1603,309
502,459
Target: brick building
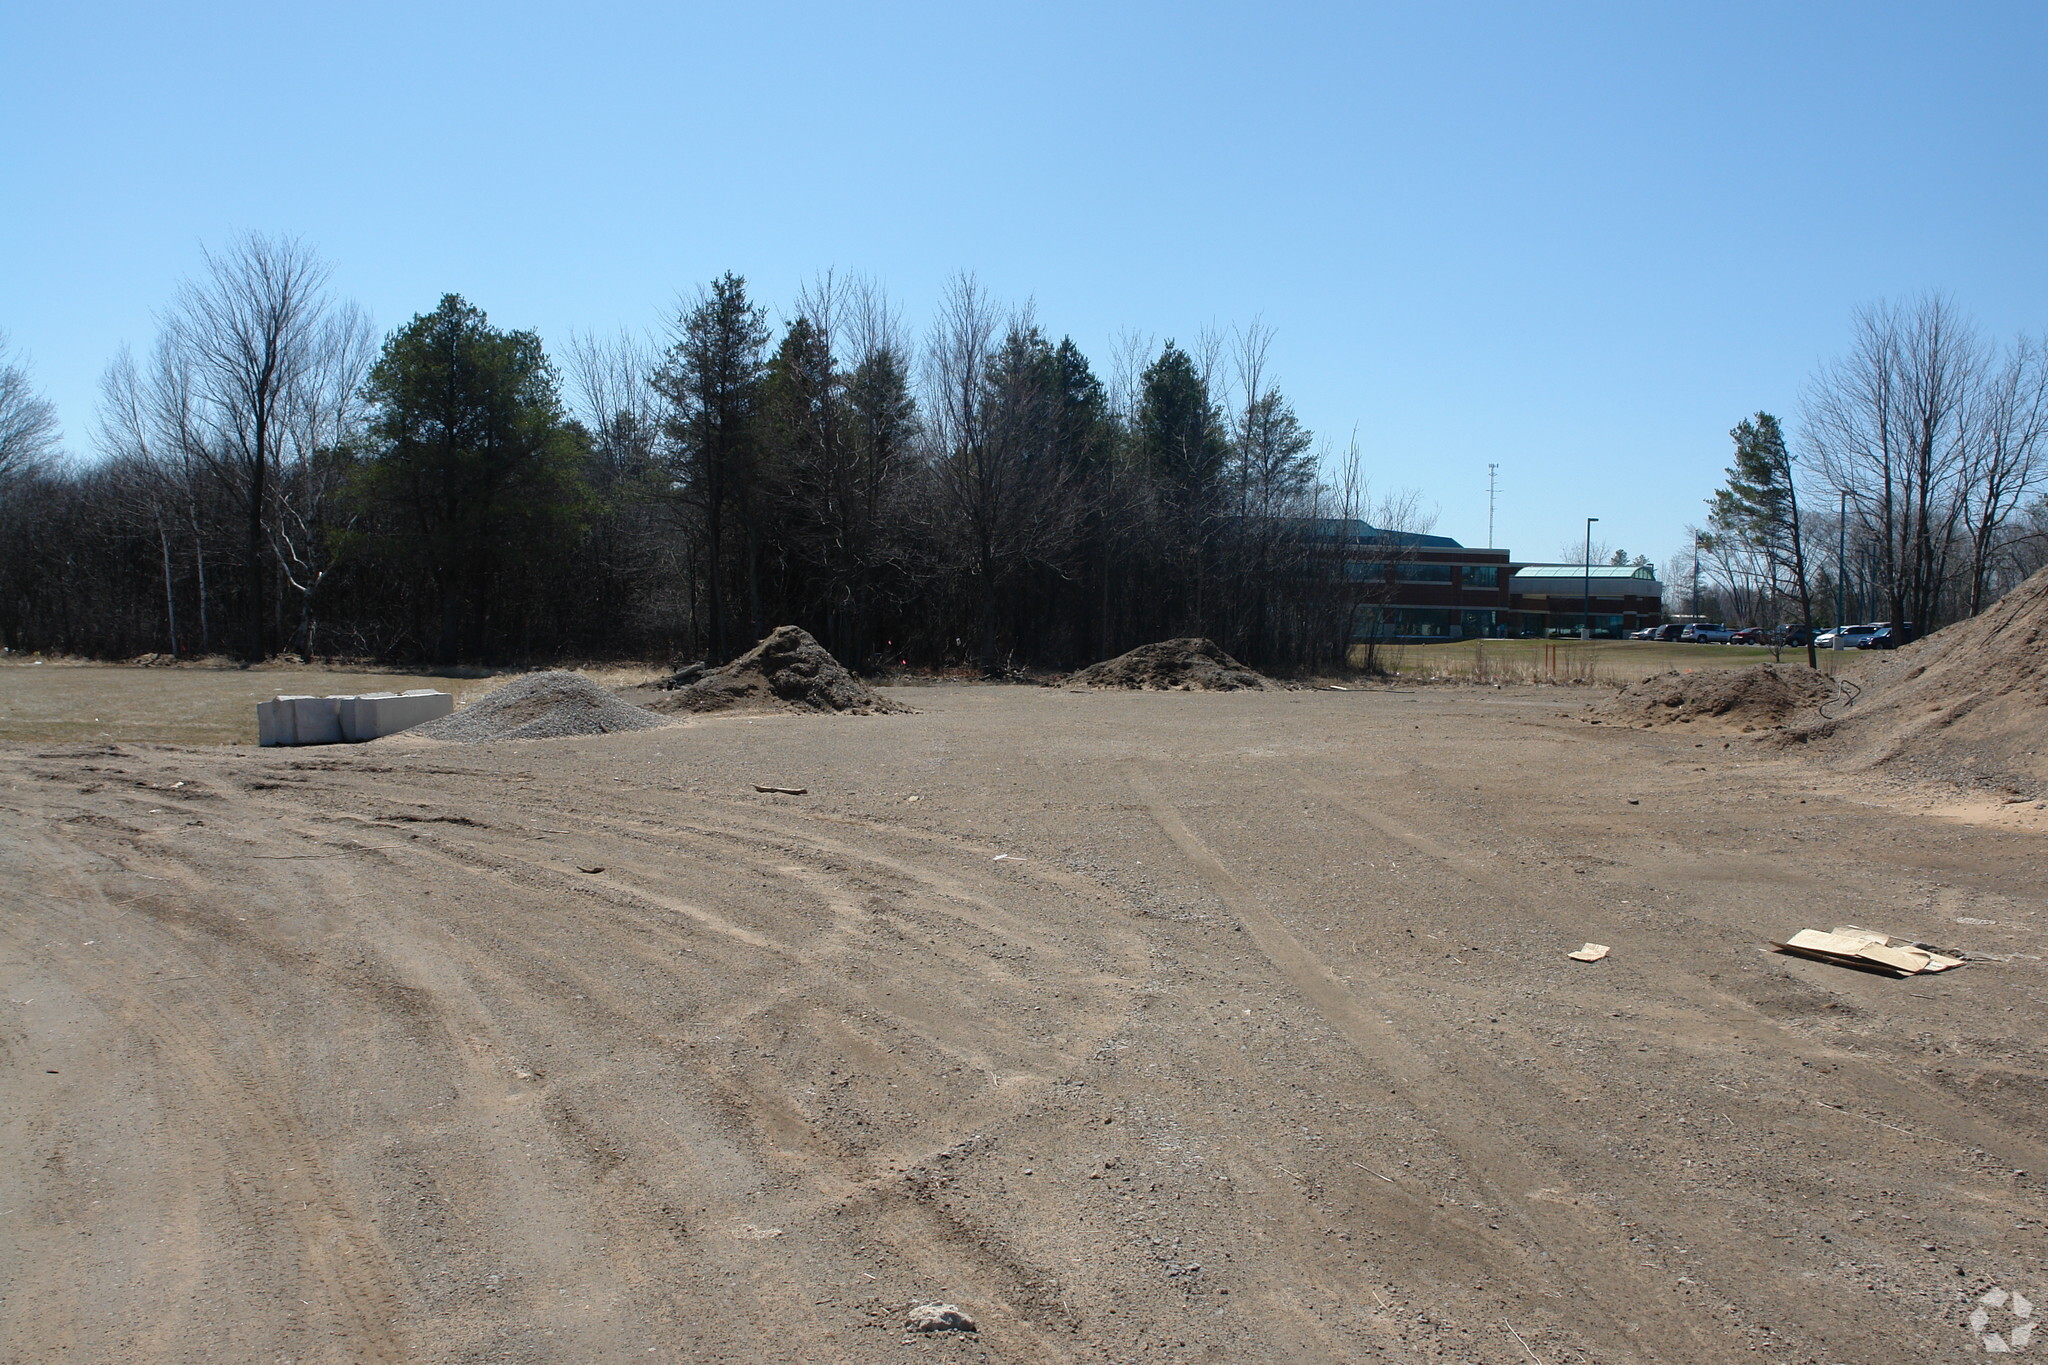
x,y
1550,599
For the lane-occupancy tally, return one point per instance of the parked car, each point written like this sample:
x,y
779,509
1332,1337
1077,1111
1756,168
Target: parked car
x,y
1792,637
1888,636
1646,633
1708,634
1670,630
1752,635
1845,637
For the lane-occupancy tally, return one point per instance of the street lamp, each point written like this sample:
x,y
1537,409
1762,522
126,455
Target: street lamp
x,y
1586,623
1841,560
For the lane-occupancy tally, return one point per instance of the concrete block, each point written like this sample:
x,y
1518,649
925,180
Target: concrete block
x,y
335,720
358,716
276,720
317,720
386,714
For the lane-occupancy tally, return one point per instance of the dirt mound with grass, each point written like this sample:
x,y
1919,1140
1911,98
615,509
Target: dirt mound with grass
x,y
787,671
1188,665
1760,697
1968,704
540,706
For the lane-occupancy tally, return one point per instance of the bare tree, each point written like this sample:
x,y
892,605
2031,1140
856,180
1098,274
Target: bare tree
x,y
1889,425
324,422
2008,454
239,345
28,421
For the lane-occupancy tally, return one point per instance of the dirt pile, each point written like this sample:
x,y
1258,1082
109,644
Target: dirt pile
x,y
1968,704
540,706
1764,696
1187,665
787,671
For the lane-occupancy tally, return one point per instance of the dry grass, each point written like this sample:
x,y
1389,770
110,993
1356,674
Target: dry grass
x,y
1578,663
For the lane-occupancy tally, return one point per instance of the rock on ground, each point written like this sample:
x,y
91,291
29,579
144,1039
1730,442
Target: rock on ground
x,y
546,705
1185,665
938,1317
788,670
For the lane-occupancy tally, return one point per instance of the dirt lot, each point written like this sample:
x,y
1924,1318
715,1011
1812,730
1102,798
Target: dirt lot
x,y
1146,1027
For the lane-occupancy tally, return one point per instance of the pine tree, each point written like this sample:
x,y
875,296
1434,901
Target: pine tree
x,y
1759,506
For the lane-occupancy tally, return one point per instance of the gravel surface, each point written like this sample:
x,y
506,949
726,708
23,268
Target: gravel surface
x,y
1159,1027
550,705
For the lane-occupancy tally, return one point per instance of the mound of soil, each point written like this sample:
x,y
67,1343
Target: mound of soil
x,y
1764,696
787,671
540,706
1968,704
1188,665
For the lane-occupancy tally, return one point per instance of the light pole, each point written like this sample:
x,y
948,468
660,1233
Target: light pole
x,y
1586,623
1841,561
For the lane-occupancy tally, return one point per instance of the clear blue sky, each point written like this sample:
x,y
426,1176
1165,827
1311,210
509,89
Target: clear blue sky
x,y
1582,241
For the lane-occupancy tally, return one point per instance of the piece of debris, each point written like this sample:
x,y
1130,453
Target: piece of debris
x,y
1849,946
1592,952
938,1317
593,870
783,791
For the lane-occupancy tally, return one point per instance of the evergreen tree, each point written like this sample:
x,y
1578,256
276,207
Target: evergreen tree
x,y
1759,506
712,378
473,478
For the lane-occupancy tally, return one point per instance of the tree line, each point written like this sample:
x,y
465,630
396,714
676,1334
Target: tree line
x,y
1911,488
270,476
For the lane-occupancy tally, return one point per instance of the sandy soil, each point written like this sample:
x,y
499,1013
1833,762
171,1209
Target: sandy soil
x,y
1158,1027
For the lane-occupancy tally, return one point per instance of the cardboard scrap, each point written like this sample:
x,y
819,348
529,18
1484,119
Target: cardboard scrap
x,y
783,791
1592,952
1849,946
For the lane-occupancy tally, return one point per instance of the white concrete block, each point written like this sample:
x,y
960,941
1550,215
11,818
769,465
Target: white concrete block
x,y
337,719
277,721
317,719
358,716
385,714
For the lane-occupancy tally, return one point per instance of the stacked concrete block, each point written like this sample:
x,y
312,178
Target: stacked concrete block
x,y
334,720
386,713
277,720
318,720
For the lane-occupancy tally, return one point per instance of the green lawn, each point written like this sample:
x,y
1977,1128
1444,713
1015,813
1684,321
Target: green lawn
x,y
1583,661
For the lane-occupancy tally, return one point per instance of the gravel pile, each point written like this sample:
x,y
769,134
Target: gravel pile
x,y
540,706
1187,665
1763,696
1967,705
787,671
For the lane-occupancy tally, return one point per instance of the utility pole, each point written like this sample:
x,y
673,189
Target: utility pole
x,y
1492,483
1586,622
